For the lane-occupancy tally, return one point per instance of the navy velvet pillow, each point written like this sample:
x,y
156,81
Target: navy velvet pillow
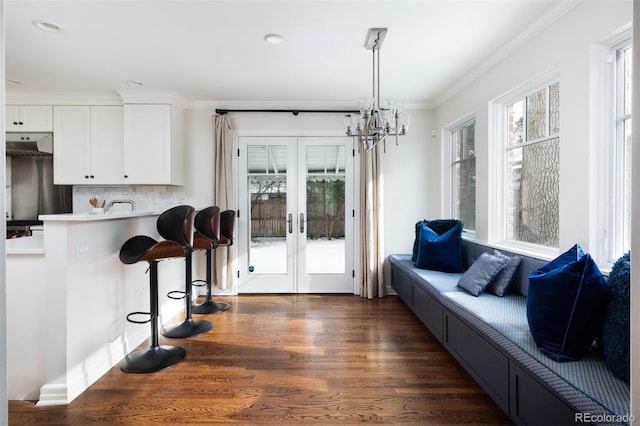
x,y
440,251
439,226
566,304
416,240
614,341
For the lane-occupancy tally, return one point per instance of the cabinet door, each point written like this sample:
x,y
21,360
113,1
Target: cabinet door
x,y
107,134
36,118
29,118
71,145
147,144
12,118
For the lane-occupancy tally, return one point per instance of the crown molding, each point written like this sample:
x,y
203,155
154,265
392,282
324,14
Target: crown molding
x,y
152,97
63,98
517,42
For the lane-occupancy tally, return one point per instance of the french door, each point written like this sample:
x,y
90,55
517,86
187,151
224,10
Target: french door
x,y
296,229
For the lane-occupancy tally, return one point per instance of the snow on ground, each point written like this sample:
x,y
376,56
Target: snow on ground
x,y
269,255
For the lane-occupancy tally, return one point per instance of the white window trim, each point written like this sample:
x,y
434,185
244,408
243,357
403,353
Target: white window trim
x,y
447,159
497,202
614,189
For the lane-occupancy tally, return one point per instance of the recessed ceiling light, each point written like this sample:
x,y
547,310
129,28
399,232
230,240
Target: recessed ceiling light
x,y
273,38
135,83
14,82
47,26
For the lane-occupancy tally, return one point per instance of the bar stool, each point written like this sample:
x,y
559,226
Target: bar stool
x,y
142,248
183,234
227,222
207,225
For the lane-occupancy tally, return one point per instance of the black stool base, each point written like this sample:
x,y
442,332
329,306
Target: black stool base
x,y
187,328
152,359
210,307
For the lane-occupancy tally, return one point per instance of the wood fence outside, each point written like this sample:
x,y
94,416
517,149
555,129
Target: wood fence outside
x,y
268,219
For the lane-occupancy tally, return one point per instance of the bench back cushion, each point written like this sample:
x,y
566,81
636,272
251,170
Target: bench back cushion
x,y
471,251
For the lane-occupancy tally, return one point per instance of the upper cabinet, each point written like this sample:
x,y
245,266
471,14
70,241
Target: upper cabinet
x,y
153,147
29,118
88,145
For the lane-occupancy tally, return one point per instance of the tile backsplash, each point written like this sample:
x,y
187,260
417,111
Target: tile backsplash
x,y
147,198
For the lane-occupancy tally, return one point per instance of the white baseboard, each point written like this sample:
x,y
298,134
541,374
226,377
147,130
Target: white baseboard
x,y
53,395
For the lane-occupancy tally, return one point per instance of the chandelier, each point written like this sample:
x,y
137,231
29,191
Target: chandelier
x,y
375,123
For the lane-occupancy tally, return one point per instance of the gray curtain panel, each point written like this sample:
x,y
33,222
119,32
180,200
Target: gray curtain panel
x,y
371,276
223,193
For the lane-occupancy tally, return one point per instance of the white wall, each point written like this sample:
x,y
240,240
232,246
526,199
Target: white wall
x,y
26,333
198,157
566,47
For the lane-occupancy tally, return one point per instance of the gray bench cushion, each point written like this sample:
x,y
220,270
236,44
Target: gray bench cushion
x,y
438,281
504,321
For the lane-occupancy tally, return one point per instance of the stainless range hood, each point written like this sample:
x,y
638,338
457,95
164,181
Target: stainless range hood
x,y
29,144
29,173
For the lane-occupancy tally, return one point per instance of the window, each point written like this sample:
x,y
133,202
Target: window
x,y
533,161
463,174
620,184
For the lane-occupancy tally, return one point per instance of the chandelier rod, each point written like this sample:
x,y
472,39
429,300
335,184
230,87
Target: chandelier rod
x,y
376,57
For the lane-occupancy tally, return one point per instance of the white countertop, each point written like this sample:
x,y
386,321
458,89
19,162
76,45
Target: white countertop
x,y
25,245
84,217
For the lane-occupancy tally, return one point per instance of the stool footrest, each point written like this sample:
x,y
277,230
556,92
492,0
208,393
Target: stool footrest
x,y
199,283
172,294
139,321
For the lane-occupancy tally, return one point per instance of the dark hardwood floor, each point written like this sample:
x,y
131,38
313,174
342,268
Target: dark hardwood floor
x,y
290,360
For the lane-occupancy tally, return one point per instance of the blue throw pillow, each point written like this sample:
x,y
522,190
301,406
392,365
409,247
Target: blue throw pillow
x,y
440,251
503,281
566,304
483,271
614,341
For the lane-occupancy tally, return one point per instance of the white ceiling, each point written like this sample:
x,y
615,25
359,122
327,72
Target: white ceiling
x,y
213,50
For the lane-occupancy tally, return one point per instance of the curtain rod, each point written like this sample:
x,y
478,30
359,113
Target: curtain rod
x,y
292,111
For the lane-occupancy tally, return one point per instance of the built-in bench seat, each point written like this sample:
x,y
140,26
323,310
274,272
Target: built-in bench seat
x,y
490,337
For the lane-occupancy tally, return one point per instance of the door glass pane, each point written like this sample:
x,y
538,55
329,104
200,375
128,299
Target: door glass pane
x,y
325,216
267,186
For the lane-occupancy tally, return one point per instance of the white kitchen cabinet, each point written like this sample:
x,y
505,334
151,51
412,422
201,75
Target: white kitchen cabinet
x,y
88,145
153,147
29,118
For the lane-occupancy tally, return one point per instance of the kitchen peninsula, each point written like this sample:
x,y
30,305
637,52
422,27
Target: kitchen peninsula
x,y
68,295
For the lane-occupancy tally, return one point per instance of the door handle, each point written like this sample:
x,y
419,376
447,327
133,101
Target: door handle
x,y
290,222
302,223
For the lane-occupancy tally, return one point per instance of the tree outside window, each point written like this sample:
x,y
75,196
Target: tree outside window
x,y
463,174
533,163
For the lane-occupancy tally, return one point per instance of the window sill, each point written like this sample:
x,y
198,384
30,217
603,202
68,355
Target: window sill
x,y
525,249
